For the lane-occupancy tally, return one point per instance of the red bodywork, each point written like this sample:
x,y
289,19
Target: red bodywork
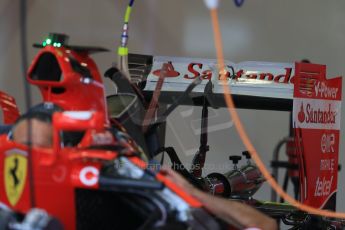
x,y
56,172
9,107
56,175
77,94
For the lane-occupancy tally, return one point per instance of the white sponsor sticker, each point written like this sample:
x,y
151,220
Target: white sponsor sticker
x,y
245,78
316,114
89,176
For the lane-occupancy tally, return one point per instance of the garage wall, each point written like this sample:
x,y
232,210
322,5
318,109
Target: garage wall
x,y
261,30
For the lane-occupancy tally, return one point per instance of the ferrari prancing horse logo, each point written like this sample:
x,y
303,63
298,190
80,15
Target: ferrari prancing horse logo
x,y
15,174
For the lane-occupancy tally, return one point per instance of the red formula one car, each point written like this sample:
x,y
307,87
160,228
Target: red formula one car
x,y
97,183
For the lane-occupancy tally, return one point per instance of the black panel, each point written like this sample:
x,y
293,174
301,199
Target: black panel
x,y
104,210
46,69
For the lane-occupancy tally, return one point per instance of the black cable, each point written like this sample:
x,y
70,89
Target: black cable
x,y
179,167
285,184
162,159
199,158
27,90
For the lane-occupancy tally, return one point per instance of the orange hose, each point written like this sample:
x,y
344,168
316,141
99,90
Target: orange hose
x,y
244,137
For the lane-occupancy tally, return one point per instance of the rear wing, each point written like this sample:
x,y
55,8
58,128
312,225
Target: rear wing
x,y
302,88
255,85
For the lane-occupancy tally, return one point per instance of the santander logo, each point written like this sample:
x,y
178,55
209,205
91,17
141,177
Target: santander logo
x,y
196,69
169,72
316,116
301,114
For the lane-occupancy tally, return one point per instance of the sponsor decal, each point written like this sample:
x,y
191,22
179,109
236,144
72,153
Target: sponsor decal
x,y
313,113
316,119
323,187
322,90
328,144
89,176
192,70
317,89
169,72
15,173
319,116
301,114
327,165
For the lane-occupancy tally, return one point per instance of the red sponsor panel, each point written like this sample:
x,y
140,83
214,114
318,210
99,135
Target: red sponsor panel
x,y
320,166
312,83
316,120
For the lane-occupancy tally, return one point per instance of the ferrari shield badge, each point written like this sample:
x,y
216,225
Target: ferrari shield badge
x,y
15,174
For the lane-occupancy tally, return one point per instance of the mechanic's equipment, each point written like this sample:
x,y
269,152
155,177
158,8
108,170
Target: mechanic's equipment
x,y
235,159
217,184
239,183
199,158
254,178
292,165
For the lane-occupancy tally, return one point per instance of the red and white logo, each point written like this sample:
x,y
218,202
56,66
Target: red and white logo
x,y
186,69
301,114
89,176
168,72
316,114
